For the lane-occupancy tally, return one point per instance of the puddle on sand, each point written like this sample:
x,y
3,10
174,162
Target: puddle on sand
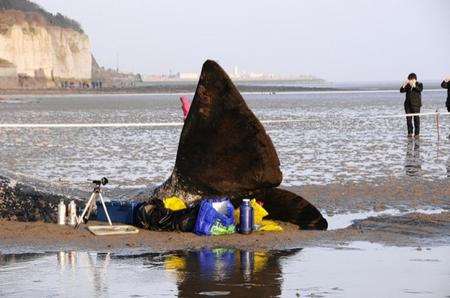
x,y
344,220
374,271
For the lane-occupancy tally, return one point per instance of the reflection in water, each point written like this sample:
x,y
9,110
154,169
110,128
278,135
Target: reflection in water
x,y
222,271
315,272
448,167
99,268
67,259
11,259
218,271
239,273
413,162
96,264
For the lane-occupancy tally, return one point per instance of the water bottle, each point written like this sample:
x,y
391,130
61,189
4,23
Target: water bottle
x,y
61,213
245,217
72,214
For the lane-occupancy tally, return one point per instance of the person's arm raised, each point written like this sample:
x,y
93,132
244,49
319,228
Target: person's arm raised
x,y
419,86
405,87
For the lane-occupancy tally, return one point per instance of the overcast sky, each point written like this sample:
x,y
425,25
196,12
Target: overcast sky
x,y
351,40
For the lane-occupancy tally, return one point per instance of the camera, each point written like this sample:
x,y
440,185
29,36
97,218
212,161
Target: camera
x,y
102,181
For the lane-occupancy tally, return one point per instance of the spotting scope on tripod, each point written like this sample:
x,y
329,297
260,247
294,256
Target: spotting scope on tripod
x,y
91,203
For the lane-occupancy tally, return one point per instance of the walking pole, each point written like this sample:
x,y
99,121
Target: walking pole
x,y
437,123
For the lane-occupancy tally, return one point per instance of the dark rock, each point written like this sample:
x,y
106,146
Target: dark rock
x,y
23,202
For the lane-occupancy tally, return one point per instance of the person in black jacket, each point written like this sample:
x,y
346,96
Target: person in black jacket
x,y
446,85
413,102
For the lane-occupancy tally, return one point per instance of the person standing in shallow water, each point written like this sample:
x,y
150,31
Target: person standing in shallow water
x,y
446,85
413,102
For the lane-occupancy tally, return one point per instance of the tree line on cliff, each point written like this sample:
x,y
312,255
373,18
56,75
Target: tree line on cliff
x,y
30,7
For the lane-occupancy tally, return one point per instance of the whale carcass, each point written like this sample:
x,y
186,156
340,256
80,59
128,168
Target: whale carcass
x,y
223,150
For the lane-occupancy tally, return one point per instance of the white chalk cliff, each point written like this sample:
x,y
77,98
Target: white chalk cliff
x,y
37,48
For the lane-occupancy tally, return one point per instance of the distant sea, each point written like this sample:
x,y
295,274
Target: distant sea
x,y
290,86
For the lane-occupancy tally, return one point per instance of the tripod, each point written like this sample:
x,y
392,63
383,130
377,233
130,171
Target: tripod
x,y
97,193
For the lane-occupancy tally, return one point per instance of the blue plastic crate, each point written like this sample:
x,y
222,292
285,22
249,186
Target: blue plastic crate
x,y
119,211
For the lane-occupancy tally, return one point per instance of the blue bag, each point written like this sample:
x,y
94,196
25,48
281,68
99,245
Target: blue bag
x,y
208,216
119,211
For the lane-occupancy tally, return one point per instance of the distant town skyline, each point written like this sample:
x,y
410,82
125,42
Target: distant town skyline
x,y
235,73
360,40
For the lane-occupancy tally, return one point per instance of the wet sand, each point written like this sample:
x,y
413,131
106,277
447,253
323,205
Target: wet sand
x,y
411,229
401,193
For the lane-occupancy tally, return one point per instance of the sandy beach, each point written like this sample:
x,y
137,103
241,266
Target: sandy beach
x,y
408,228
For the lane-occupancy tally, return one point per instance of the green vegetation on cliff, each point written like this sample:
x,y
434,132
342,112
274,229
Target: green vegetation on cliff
x,y
30,7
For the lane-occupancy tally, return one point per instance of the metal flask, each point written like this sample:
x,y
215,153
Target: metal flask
x,y
72,214
245,217
61,213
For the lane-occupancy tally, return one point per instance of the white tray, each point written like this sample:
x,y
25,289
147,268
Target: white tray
x,y
113,230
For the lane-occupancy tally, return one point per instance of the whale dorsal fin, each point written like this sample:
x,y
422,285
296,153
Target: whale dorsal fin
x,y
223,147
